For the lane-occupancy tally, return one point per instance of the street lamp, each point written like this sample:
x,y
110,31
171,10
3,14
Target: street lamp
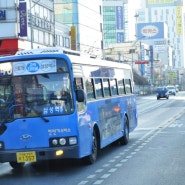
x,y
102,42
132,51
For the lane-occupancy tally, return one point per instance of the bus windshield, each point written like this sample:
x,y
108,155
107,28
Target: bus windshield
x,y
37,95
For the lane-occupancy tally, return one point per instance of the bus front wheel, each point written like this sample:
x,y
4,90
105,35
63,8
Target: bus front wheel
x,y
125,138
90,159
15,165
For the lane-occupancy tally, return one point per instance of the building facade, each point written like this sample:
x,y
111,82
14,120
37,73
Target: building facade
x,y
115,22
30,24
171,13
84,17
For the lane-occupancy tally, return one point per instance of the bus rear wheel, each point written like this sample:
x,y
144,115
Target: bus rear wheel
x,y
90,159
15,165
125,138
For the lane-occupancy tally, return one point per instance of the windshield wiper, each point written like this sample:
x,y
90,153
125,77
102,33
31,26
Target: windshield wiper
x,y
45,119
38,114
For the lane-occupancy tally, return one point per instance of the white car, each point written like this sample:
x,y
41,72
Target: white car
x,y
171,90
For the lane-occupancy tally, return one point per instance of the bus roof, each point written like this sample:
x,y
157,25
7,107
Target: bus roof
x,y
97,62
48,50
75,57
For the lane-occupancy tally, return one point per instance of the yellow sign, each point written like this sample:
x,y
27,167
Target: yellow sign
x,y
179,20
73,37
160,1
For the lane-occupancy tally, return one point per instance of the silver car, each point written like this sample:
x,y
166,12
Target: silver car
x,y
171,90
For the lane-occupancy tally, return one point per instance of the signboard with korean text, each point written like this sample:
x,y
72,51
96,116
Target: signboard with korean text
x,y
160,48
157,3
119,17
34,67
141,62
23,19
2,14
151,30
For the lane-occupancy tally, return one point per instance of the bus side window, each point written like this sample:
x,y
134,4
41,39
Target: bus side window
x,y
90,88
114,87
98,87
121,88
128,88
106,87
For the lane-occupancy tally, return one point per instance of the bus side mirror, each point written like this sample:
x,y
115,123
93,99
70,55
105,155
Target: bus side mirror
x,y
80,95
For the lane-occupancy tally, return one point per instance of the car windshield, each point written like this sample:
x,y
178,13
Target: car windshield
x,y
171,87
161,89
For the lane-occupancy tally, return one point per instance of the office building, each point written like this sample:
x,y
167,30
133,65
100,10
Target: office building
x,y
85,21
115,22
30,24
171,14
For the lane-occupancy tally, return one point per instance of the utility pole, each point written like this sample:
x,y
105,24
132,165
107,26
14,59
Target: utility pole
x,y
152,64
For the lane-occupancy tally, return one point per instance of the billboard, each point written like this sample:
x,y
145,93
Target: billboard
x,y
155,30
160,2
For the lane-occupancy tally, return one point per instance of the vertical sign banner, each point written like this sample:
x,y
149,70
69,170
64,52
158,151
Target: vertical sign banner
x,y
142,53
119,17
23,19
179,20
152,64
73,37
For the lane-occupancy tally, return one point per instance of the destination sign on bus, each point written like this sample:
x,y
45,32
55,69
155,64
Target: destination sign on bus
x,y
34,67
28,67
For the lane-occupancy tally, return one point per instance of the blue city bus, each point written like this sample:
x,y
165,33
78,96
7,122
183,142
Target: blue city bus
x,y
57,104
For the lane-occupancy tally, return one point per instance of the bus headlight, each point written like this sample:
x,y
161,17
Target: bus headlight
x,y
62,141
55,142
72,141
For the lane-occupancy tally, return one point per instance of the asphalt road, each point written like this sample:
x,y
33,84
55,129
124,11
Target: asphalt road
x,y
154,155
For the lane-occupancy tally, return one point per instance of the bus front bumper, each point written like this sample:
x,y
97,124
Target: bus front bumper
x,y
39,154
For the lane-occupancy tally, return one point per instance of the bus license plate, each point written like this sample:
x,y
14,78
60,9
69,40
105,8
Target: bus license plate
x,y
26,157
